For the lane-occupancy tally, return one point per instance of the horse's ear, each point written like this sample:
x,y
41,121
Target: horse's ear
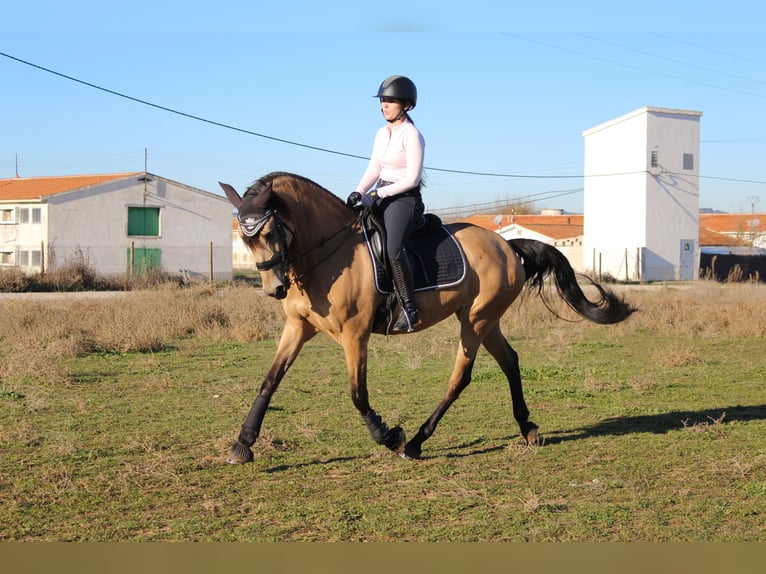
x,y
232,194
263,197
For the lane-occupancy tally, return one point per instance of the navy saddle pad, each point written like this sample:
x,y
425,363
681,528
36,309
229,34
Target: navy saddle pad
x,y
437,258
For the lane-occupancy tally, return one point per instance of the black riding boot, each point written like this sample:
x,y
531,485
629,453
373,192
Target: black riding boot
x,y
401,273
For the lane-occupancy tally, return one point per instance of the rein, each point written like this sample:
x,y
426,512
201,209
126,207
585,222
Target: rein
x,y
251,228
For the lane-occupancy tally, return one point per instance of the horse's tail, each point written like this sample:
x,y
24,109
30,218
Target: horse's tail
x,y
541,260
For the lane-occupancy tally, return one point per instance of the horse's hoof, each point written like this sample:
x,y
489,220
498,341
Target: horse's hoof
x,y
412,452
239,454
395,440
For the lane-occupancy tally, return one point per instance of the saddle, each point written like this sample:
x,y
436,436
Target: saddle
x,y
437,258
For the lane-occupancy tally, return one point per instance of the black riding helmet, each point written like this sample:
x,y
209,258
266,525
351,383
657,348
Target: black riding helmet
x,y
399,87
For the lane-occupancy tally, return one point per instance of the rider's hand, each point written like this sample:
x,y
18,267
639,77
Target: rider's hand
x,y
370,200
353,199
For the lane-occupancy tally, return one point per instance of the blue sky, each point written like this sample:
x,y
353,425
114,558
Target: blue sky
x,y
503,90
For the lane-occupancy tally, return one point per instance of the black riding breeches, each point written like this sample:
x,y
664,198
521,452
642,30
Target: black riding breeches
x,y
400,213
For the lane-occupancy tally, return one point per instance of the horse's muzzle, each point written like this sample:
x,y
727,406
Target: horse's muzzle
x,y
279,293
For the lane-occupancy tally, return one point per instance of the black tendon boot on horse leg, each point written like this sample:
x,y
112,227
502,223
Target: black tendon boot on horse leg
x,y
401,273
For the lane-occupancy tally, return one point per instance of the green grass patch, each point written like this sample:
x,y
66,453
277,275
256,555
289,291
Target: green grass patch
x,y
648,436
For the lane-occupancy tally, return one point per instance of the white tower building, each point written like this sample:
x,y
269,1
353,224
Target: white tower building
x,y
641,200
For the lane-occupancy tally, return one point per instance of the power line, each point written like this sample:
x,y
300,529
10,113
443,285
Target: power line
x,y
260,135
667,59
326,150
630,66
728,54
177,112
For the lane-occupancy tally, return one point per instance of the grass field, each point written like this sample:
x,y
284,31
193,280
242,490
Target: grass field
x,y
116,415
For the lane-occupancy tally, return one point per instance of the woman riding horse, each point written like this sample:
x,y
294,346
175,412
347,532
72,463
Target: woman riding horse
x,y
312,255
396,171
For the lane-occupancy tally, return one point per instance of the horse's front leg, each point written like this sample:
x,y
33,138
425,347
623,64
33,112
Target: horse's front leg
x,y
356,359
294,335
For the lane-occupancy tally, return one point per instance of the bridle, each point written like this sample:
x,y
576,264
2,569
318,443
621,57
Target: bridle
x,y
251,227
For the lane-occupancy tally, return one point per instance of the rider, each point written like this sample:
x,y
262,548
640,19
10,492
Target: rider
x,y
391,184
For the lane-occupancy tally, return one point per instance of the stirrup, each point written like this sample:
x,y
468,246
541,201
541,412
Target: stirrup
x,y
408,318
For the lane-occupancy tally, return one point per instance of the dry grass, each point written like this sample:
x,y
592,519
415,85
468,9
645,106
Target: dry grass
x,y
35,334
703,308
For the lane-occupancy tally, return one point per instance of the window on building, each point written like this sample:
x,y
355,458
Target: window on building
x,y
6,257
144,221
7,216
30,258
32,214
688,161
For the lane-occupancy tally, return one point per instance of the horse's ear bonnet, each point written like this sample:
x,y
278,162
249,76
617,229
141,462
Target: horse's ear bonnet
x,y
263,197
258,195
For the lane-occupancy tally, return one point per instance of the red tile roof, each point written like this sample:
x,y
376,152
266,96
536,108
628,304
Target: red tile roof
x,y
553,226
708,237
715,228
734,222
20,188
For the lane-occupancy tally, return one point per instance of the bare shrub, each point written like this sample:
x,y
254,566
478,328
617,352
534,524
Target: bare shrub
x,y
75,275
13,280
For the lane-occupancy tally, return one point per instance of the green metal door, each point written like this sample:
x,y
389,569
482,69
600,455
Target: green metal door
x,y
144,260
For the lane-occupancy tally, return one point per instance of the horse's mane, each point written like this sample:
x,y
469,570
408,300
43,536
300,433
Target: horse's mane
x,y
267,180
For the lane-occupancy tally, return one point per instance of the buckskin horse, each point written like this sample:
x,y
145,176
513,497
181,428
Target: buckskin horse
x,y
313,255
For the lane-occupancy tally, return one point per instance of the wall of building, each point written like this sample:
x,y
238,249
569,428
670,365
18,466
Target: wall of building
x,y
641,221
92,224
22,235
672,242
571,248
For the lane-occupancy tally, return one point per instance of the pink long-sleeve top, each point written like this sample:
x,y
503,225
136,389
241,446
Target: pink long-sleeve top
x,y
397,156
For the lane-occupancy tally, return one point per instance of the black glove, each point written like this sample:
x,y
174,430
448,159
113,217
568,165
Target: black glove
x,y
353,199
370,200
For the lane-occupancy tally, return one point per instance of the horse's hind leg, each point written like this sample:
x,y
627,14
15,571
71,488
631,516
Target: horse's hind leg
x,y
508,360
461,377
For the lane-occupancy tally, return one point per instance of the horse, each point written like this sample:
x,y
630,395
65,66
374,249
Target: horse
x,y
312,255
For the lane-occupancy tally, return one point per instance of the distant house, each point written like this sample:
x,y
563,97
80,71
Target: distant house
x,y
733,246
564,231
119,223
738,230
720,234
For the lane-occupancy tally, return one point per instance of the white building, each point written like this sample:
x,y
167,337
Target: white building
x,y
551,226
118,223
641,199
